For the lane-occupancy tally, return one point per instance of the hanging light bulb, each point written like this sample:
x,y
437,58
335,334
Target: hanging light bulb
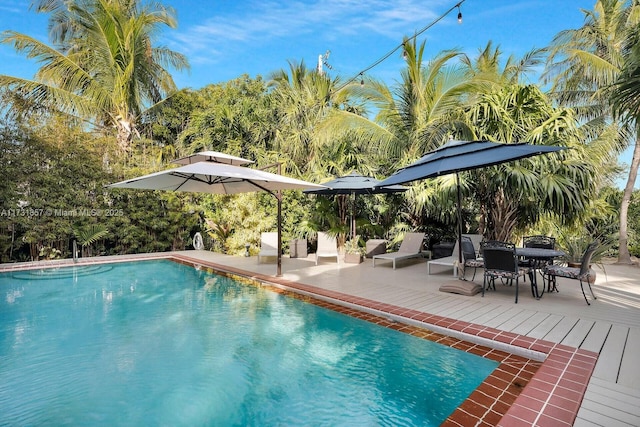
x,y
404,51
361,80
459,15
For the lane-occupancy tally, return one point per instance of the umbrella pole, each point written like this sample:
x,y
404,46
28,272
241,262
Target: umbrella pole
x,y
279,268
279,197
353,216
459,220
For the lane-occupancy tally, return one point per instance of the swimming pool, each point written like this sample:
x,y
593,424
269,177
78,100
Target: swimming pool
x,y
157,342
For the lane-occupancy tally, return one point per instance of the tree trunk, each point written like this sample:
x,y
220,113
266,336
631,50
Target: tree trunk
x,y
126,131
623,254
503,217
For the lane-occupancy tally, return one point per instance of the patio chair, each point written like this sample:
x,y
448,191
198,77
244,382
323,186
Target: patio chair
x,y
537,241
584,273
469,255
268,245
327,247
411,247
452,260
501,261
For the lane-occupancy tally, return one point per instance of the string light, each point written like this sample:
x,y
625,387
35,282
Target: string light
x,y
361,80
404,51
402,45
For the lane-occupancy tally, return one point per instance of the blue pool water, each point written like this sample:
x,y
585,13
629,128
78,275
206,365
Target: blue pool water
x,y
160,343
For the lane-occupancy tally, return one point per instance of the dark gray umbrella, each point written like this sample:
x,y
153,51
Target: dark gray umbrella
x,y
458,156
354,184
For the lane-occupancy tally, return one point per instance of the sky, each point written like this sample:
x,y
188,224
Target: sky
x,y
224,39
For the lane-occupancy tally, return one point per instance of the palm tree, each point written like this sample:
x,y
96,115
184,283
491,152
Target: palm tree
x,y
626,103
501,108
303,99
583,65
102,65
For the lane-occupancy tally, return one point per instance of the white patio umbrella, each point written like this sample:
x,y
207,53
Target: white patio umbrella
x,y
212,156
217,178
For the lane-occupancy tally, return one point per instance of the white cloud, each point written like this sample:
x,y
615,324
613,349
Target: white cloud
x,y
262,23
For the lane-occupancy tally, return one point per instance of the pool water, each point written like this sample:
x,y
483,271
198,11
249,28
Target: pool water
x,y
161,343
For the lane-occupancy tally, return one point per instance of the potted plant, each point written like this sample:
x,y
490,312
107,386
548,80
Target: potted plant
x,y
353,252
574,246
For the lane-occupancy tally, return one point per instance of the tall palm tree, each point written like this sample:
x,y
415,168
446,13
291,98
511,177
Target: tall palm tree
x,y
583,65
626,103
102,65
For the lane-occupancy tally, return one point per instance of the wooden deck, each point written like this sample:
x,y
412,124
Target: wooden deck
x,y
610,326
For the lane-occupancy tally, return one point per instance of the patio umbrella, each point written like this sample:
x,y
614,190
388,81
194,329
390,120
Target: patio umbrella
x,y
212,156
354,184
458,156
218,178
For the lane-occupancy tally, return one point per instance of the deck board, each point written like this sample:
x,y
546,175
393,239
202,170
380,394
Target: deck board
x,y
562,329
530,324
522,316
579,332
609,404
543,328
596,337
630,365
608,365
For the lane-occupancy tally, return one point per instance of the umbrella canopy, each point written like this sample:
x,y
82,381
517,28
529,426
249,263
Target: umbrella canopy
x,y
217,178
212,156
458,156
355,184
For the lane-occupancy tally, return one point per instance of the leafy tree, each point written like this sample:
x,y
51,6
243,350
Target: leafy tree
x,y
235,117
102,65
57,183
583,65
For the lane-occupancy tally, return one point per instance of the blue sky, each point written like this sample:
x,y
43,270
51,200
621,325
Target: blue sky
x,y
225,38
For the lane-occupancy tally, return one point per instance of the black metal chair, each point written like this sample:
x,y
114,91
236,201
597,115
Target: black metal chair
x,y
539,241
543,242
501,261
470,258
583,274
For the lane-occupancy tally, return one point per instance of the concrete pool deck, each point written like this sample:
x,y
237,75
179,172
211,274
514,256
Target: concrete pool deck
x,y
589,377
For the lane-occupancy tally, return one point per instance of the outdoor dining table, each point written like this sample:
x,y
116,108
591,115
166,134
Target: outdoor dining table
x,y
539,256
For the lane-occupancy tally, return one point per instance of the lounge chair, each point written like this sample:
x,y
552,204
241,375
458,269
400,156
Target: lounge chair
x,y
327,247
452,261
268,245
411,247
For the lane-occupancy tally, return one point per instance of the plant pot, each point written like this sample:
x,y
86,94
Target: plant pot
x,y
352,258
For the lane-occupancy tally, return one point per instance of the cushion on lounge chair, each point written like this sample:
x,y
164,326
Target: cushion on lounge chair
x,y
461,287
327,247
411,247
268,245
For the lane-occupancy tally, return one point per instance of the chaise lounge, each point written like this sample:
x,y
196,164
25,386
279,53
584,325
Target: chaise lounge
x,y
411,247
327,247
268,245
